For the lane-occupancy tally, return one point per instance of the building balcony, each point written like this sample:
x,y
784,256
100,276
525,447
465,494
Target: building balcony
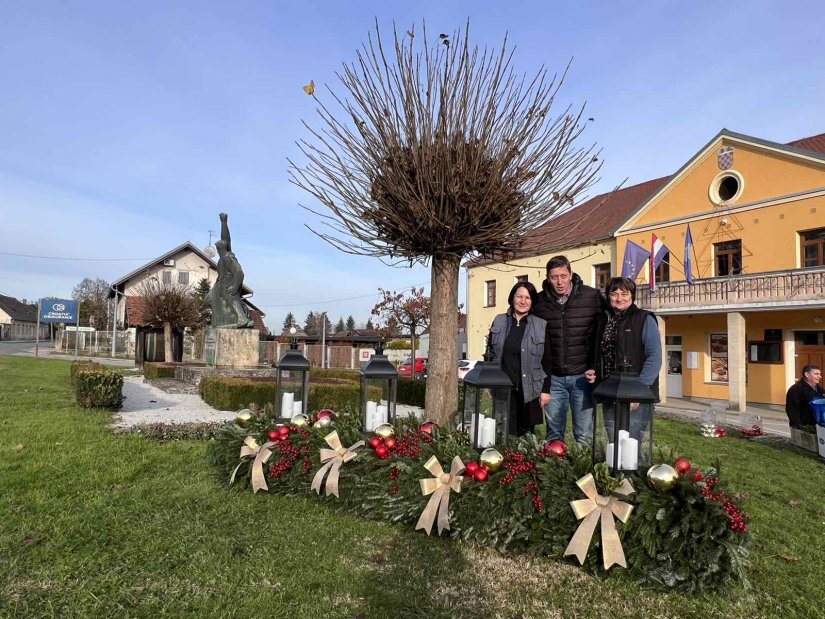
x,y
796,288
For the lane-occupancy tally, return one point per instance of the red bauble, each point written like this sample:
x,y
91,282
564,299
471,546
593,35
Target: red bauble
x,y
682,466
697,476
480,474
472,467
390,442
283,431
273,435
557,448
428,427
382,452
324,414
375,441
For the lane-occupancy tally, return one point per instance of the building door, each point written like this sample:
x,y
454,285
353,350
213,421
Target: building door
x,y
810,349
673,358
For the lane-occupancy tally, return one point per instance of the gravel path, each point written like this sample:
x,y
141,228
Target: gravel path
x,y
146,404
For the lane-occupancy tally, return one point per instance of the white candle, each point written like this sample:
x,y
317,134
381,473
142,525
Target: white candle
x,y
286,405
609,454
371,414
381,411
297,407
623,434
629,453
489,433
473,422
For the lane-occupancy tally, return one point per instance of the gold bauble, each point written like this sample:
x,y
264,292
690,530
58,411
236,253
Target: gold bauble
x,y
385,430
244,417
662,477
322,422
491,459
299,420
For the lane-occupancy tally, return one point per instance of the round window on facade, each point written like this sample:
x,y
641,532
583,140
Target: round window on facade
x,y
726,187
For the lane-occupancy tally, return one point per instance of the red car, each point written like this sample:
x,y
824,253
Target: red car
x,y
420,368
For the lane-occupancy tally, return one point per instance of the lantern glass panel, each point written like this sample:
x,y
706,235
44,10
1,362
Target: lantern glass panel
x,y
614,424
486,415
377,401
292,388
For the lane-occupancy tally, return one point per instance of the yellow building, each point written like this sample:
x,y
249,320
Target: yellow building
x,y
584,234
755,312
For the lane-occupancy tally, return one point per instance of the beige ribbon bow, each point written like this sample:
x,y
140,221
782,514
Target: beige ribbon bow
x,y
594,508
333,459
439,486
261,453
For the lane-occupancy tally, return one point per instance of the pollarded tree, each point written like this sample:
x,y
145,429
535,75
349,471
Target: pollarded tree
x,y
433,150
171,306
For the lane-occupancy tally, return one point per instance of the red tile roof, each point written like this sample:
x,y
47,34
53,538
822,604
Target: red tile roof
x,y
815,143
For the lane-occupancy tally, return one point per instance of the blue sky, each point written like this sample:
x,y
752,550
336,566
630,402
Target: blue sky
x,y
126,127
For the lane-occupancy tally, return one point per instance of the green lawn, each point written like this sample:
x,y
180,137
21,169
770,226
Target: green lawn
x,y
98,525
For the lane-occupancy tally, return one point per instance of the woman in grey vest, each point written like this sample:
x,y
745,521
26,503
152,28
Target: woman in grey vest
x,y
521,345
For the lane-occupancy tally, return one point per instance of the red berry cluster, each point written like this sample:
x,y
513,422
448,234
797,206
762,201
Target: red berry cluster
x,y
720,431
408,446
754,430
738,518
394,490
515,464
289,455
394,473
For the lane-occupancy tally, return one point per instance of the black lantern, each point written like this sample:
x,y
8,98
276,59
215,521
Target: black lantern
x,y
379,384
292,385
486,414
623,438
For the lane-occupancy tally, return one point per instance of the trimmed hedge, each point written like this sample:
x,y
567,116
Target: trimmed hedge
x,y
95,386
153,370
342,373
231,394
411,392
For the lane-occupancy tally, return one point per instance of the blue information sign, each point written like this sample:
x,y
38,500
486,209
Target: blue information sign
x,y
58,310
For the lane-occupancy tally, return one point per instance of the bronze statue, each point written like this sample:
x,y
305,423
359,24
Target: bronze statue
x,y
228,308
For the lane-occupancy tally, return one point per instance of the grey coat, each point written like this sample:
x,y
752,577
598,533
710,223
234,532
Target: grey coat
x,y
535,352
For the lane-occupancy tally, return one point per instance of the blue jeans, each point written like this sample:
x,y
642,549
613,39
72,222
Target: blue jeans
x,y
570,392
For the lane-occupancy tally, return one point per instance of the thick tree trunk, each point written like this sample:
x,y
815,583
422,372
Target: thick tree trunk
x,y
442,375
167,342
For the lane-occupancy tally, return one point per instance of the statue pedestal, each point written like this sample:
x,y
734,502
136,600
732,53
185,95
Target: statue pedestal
x,y
231,348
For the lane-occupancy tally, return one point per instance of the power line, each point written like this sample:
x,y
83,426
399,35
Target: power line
x,y
3,253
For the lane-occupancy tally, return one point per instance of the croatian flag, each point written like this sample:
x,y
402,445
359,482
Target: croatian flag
x,y
635,257
688,256
657,254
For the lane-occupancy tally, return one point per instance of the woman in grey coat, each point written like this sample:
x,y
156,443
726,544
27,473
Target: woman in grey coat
x,y
520,343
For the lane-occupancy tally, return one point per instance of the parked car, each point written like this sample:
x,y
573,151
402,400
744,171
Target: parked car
x,y
464,366
404,370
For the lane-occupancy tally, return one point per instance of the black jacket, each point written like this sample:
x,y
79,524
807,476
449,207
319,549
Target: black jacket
x,y
630,346
571,326
798,403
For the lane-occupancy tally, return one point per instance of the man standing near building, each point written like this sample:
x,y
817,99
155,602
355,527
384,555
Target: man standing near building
x,y
570,308
799,396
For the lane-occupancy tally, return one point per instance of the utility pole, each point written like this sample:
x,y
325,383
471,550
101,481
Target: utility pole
x,y
323,339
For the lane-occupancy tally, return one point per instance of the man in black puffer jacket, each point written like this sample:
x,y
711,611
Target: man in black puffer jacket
x,y
570,309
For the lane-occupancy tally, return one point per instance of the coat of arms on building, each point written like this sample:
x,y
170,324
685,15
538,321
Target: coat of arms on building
x,y
725,156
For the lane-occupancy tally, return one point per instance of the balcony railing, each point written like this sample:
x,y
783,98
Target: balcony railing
x,y
779,288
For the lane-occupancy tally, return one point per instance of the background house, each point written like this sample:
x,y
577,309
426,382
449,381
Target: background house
x,y
18,320
186,265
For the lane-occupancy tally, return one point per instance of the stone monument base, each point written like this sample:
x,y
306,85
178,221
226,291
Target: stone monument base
x,y
231,348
